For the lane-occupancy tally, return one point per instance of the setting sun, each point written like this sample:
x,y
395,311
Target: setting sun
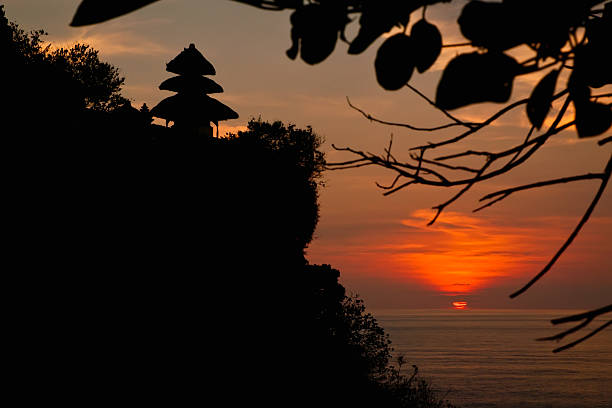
x,y
460,305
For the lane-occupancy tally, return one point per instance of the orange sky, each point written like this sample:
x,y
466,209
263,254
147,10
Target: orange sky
x,y
381,245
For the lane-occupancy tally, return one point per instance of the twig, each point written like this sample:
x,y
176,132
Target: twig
x,y
587,318
389,187
465,44
439,208
586,315
605,95
531,130
445,112
398,124
446,166
583,220
580,340
263,4
443,181
561,335
481,125
505,193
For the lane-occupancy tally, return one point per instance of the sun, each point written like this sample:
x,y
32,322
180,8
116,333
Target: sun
x,y
460,305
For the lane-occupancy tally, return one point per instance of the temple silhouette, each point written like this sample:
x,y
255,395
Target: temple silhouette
x,y
191,110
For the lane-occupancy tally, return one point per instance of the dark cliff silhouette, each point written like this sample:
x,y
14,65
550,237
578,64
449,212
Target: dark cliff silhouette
x,y
162,265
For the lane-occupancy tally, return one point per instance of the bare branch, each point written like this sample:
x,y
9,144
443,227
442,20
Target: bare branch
x,y
262,4
347,162
583,220
534,144
505,193
446,166
389,187
420,161
443,181
445,112
464,154
465,44
604,95
368,159
490,203
580,340
396,189
561,335
531,130
389,148
487,122
586,317
591,314
442,206
406,125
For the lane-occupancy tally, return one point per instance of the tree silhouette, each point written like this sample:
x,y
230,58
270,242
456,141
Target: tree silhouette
x,y
567,44
99,81
296,151
72,87
245,207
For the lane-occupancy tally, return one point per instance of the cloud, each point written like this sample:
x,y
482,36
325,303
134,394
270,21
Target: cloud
x,y
459,254
472,251
114,42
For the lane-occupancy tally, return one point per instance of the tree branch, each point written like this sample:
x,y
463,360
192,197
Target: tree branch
x,y
580,340
591,314
398,124
583,220
505,193
442,206
487,122
586,317
445,112
605,140
566,332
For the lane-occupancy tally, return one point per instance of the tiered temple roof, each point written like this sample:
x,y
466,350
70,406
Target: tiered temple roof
x,y
191,105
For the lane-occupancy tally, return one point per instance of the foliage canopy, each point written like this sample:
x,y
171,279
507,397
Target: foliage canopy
x,y
84,78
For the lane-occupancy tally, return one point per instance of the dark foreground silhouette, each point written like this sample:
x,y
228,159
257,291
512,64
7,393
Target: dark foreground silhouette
x,y
157,265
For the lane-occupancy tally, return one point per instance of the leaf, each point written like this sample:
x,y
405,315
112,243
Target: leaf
x,y
592,118
541,97
472,78
379,17
364,38
394,63
488,25
318,46
590,57
96,11
427,42
314,32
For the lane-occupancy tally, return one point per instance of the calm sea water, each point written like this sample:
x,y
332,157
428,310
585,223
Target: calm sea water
x,y
489,358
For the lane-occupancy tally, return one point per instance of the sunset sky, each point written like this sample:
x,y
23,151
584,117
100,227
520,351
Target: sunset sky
x,y
382,245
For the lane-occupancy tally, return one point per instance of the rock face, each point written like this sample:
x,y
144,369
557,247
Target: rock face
x,y
191,108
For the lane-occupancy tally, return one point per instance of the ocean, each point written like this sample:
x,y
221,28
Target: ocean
x,y
489,358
